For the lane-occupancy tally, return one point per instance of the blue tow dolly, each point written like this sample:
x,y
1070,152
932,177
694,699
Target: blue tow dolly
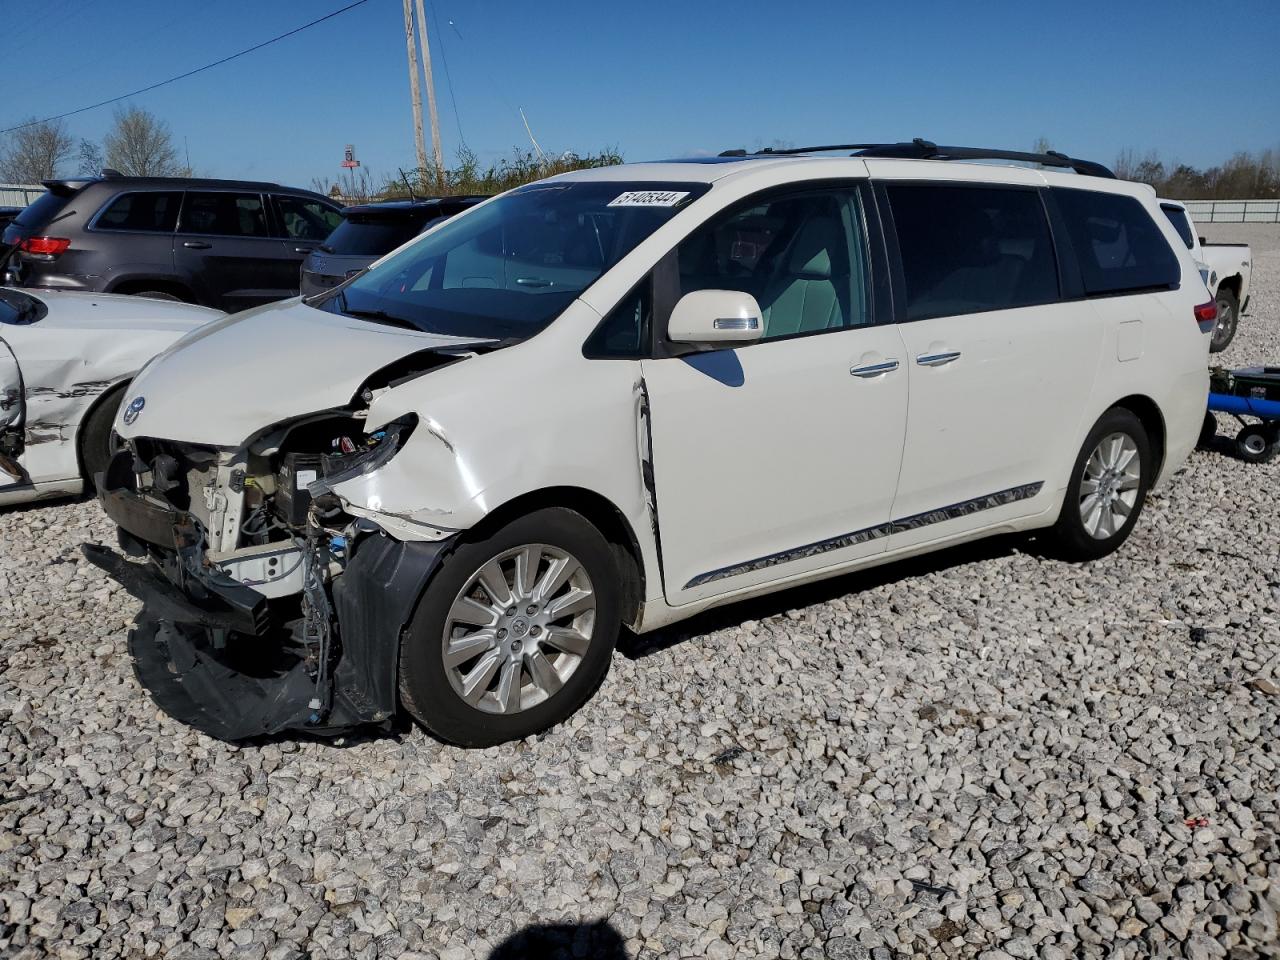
x,y
1246,392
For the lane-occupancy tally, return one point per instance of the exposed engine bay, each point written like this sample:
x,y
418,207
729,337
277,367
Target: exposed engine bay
x,y
268,605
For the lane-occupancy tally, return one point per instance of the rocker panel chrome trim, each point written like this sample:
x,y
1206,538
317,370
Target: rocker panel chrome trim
x,y
963,509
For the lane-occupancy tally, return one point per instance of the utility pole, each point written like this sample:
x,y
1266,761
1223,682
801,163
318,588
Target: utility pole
x,y
431,93
414,91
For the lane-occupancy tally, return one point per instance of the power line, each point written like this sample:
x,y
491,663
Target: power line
x,y
449,79
189,73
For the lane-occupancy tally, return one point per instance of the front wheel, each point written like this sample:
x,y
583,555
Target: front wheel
x,y
514,633
95,436
1228,319
1107,490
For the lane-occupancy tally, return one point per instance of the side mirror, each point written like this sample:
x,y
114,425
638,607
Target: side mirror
x,y
716,316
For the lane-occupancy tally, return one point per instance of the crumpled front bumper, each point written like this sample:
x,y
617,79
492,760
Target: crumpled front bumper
x,y
233,665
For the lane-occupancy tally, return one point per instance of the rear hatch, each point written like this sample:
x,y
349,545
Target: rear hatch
x,y
34,222
364,235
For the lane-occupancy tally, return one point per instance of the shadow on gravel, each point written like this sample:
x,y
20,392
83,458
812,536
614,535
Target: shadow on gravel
x,y
636,647
594,941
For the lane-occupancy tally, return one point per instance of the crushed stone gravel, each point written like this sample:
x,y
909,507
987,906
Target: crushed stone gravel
x,y
983,753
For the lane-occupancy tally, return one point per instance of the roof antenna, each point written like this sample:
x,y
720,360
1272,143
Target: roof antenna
x,y
407,185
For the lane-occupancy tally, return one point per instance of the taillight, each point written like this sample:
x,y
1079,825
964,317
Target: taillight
x,y
44,246
1206,313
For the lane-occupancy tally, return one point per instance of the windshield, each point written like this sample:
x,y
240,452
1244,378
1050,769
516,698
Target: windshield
x,y
507,269
19,308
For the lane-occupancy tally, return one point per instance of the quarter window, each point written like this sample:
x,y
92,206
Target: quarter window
x,y
225,215
802,256
306,219
141,212
1119,246
970,249
1181,222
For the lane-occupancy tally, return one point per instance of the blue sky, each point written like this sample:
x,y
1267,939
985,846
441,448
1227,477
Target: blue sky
x,y
658,79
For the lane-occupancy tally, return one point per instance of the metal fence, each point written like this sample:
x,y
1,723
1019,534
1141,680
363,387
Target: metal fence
x,y
19,194
1233,211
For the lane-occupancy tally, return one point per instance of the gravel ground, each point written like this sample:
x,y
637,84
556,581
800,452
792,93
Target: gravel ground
x,y
982,754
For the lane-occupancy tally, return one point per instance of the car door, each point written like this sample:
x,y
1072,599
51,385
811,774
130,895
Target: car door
x,y
779,458
304,223
225,246
12,408
1000,366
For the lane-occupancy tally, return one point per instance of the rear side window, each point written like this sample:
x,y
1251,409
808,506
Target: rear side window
x,y
144,212
364,236
225,215
972,249
304,219
1119,246
41,210
1181,222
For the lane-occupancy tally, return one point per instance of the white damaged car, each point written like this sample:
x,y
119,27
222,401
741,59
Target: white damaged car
x,y
65,360
622,396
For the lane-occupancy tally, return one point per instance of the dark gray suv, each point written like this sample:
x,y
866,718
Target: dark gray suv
x,y
229,244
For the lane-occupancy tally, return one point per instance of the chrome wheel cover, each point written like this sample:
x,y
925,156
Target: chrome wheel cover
x,y
519,628
1109,486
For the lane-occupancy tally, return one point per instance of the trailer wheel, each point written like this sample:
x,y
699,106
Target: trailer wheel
x,y
1208,431
1257,444
1228,320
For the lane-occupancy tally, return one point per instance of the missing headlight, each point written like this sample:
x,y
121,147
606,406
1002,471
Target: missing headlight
x,y
356,457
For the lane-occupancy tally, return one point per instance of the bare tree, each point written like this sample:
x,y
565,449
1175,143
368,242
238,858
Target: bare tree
x,y
1041,145
89,155
35,152
141,145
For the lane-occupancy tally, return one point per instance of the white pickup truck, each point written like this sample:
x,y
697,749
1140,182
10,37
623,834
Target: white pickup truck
x,y
1225,268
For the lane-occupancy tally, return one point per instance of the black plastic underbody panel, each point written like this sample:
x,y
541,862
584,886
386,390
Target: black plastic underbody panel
x,y
234,686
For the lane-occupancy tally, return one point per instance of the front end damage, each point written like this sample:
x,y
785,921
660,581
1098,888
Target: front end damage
x,y
268,605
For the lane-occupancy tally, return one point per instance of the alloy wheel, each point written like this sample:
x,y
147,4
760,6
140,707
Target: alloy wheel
x,y
1109,486
519,628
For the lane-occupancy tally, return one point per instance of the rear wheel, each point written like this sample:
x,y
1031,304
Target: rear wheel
x,y
1228,319
1107,490
157,295
1208,431
95,435
514,633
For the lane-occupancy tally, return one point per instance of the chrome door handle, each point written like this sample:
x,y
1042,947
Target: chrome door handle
x,y
874,369
937,359
196,245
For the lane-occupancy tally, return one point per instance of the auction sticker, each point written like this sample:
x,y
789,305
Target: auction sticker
x,y
649,198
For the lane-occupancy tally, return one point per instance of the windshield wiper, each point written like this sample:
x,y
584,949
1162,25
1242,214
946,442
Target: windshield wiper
x,y
376,316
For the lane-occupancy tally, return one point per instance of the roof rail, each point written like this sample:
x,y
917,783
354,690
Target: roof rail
x,y
919,149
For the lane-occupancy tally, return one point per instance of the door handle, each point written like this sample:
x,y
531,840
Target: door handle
x,y
196,245
303,249
532,282
874,369
937,359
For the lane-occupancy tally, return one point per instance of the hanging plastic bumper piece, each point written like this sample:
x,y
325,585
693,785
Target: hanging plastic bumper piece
x,y
225,663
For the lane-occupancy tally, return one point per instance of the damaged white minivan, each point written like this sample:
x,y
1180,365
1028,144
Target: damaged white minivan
x,y
621,396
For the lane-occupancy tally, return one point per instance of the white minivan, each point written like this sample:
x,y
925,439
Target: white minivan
x,y
620,396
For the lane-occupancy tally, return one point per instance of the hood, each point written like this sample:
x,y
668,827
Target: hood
x,y
231,379
110,311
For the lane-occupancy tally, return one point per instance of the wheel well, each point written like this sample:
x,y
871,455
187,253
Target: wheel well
x,y
1145,409
1233,284
111,395
602,514
163,286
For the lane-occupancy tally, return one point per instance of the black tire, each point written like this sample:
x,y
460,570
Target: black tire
x,y
1069,538
1208,431
1228,320
425,687
1257,443
158,295
94,442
